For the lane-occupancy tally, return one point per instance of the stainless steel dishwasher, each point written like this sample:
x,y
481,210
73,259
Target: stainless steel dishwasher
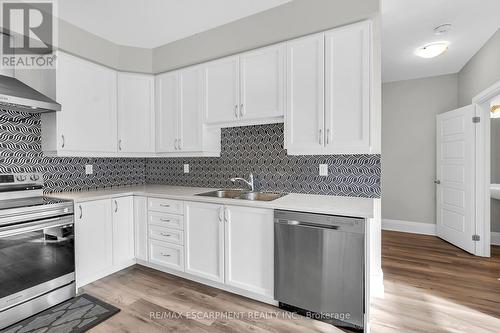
x,y
319,266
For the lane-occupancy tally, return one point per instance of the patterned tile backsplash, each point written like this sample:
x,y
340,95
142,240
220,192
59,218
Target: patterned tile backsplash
x,y
20,151
257,149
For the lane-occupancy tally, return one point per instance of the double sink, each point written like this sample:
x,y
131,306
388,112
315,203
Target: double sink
x,y
243,195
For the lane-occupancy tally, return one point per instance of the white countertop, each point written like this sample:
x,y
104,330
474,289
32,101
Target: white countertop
x,y
313,203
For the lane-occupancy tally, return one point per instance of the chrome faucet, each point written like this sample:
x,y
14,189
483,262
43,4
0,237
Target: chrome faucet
x,y
248,182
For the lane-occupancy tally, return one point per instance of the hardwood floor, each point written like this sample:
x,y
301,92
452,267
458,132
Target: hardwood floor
x,y
430,286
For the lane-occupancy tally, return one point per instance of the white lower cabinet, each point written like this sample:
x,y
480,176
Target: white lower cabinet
x,y
104,238
141,227
93,240
249,249
232,245
166,254
123,231
204,240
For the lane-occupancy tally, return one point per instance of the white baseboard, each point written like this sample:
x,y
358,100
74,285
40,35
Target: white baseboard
x,y
411,227
495,238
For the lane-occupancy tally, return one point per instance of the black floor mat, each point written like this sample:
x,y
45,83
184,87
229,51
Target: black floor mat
x,y
76,315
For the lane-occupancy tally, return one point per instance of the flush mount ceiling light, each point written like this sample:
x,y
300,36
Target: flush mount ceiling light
x,y
432,50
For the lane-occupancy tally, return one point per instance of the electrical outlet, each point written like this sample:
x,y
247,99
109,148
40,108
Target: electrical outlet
x,y
186,168
323,170
89,169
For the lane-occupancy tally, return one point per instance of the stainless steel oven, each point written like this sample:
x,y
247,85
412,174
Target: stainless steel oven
x,y
37,259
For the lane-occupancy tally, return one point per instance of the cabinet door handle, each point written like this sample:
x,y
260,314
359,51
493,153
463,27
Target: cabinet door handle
x,y
221,214
116,206
120,144
320,136
81,211
179,144
165,234
242,110
175,144
227,214
236,111
164,220
165,255
164,205
62,143
327,136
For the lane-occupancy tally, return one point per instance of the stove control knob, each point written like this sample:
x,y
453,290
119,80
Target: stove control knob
x,y
21,178
34,177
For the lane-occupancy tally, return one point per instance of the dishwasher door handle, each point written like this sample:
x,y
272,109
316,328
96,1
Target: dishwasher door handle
x,y
307,225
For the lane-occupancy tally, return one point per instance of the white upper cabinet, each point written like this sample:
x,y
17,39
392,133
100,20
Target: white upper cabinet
x,y
222,90
167,105
179,115
135,113
347,86
190,122
262,83
328,92
305,94
246,89
87,121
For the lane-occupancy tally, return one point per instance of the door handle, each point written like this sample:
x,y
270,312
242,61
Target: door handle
x,y
62,143
236,110
116,206
320,136
227,214
221,214
175,144
81,211
120,144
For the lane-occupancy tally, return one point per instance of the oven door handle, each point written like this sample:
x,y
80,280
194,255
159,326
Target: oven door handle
x,y
34,226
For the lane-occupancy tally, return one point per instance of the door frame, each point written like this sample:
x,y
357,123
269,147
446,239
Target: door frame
x,y
483,170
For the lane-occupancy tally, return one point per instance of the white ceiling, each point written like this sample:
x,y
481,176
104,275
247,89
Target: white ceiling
x,y
408,24
153,23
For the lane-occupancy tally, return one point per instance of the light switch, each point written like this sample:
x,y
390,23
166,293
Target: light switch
x,y
323,169
89,169
186,168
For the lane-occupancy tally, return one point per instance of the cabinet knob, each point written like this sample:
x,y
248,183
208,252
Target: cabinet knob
x,y
437,182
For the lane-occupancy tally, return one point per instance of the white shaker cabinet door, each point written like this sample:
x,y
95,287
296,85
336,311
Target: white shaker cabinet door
x,y
93,240
191,114
347,99
262,83
249,249
87,93
167,106
222,90
204,240
135,113
123,230
304,131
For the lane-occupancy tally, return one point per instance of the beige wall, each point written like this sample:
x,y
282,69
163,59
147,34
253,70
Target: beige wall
x,y
293,19
409,110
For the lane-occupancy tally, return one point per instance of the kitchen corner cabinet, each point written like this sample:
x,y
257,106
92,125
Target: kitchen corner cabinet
x,y
328,92
204,240
179,115
246,89
141,228
123,231
136,120
87,122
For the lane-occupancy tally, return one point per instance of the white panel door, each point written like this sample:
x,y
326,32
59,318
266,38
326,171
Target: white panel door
x,y
93,240
455,177
191,114
222,90
204,240
141,227
262,83
249,249
167,109
304,131
135,113
123,230
347,89
87,93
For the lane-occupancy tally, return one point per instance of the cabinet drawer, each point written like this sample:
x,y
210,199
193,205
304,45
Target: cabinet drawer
x,y
166,254
166,220
166,234
166,205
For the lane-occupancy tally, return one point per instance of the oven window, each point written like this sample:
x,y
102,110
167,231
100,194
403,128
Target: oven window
x,y
35,257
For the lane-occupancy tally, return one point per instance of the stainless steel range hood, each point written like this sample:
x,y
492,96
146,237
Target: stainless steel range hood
x,y
17,96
